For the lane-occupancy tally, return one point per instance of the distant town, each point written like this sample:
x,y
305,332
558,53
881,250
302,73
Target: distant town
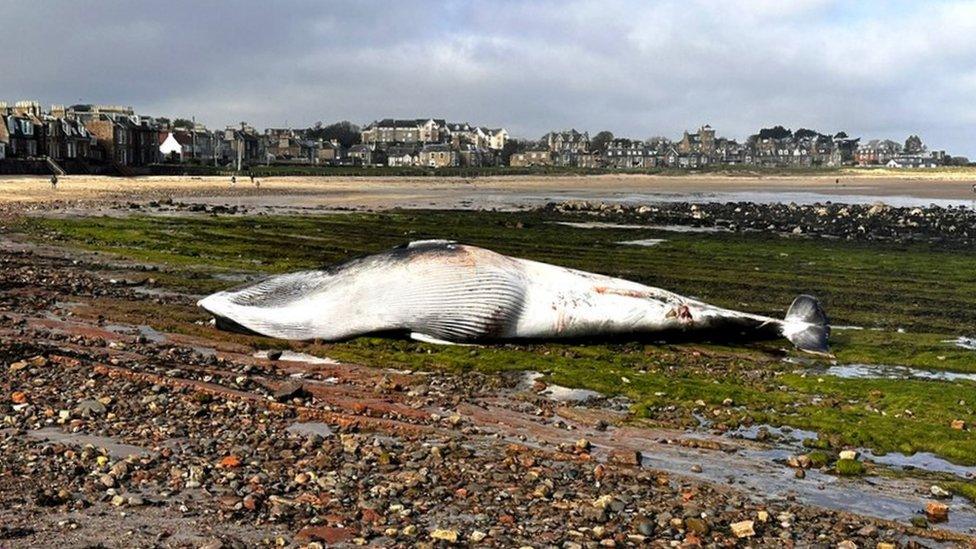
x,y
111,139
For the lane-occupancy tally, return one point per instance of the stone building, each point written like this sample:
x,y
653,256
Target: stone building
x,y
402,155
531,157
391,131
629,153
438,155
702,142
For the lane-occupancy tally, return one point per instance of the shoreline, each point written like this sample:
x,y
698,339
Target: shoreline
x,y
493,191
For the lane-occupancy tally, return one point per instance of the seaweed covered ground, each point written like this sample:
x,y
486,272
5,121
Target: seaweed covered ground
x,y
903,313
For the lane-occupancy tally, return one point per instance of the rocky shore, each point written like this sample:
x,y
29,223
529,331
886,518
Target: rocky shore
x,y
116,436
949,227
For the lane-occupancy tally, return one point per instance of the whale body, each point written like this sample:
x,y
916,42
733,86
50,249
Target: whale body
x,y
445,292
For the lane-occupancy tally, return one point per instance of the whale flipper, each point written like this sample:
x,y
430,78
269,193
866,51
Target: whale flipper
x,y
806,325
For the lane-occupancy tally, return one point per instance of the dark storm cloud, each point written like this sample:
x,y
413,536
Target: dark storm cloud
x,y
876,69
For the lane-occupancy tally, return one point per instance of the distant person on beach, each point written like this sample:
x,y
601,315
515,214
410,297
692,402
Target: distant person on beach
x,y
233,180
54,181
252,177
257,182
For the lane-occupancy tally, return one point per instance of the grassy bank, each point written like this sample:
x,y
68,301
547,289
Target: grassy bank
x,y
908,299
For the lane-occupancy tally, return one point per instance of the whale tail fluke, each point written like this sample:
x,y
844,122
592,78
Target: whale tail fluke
x,y
806,325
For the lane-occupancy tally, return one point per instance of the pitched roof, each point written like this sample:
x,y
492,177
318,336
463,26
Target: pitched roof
x,y
397,123
436,147
401,151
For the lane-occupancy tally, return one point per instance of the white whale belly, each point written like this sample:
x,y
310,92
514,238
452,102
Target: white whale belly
x,y
562,302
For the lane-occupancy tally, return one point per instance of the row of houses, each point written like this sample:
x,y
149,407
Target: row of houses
x,y
116,135
79,134
775,147
425,131
430,142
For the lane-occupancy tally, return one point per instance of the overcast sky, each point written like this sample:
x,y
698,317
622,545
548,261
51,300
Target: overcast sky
x,y
638,68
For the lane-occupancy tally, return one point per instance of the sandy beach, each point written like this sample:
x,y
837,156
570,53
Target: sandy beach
x,y
502,191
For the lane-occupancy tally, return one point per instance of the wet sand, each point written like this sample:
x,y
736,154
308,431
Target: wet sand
x,y
501,192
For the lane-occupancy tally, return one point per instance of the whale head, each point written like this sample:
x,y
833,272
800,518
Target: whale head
x,y
280,306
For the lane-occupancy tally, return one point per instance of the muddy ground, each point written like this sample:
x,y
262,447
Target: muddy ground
x,y
117,434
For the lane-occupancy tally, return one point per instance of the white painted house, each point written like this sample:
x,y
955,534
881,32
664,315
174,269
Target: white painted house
x,y
171,146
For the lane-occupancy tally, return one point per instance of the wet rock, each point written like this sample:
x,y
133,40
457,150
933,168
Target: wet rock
x,y
327,534
625,457
289,390
801,461
920,522
90,407
936,511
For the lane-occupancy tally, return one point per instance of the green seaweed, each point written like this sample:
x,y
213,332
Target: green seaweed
x,y
909,299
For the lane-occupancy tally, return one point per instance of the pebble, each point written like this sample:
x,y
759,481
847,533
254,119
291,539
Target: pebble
x,y
445,535
743,529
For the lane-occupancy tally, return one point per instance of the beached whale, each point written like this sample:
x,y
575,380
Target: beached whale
x,y
444,292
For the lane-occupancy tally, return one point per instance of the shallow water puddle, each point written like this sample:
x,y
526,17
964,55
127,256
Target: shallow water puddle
x,y
968,343
291,356
784,433
568,394
646,242
790,440
557,393
115,449
922,460
145,331
310,428
882,371
760,468
760,471
667,228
